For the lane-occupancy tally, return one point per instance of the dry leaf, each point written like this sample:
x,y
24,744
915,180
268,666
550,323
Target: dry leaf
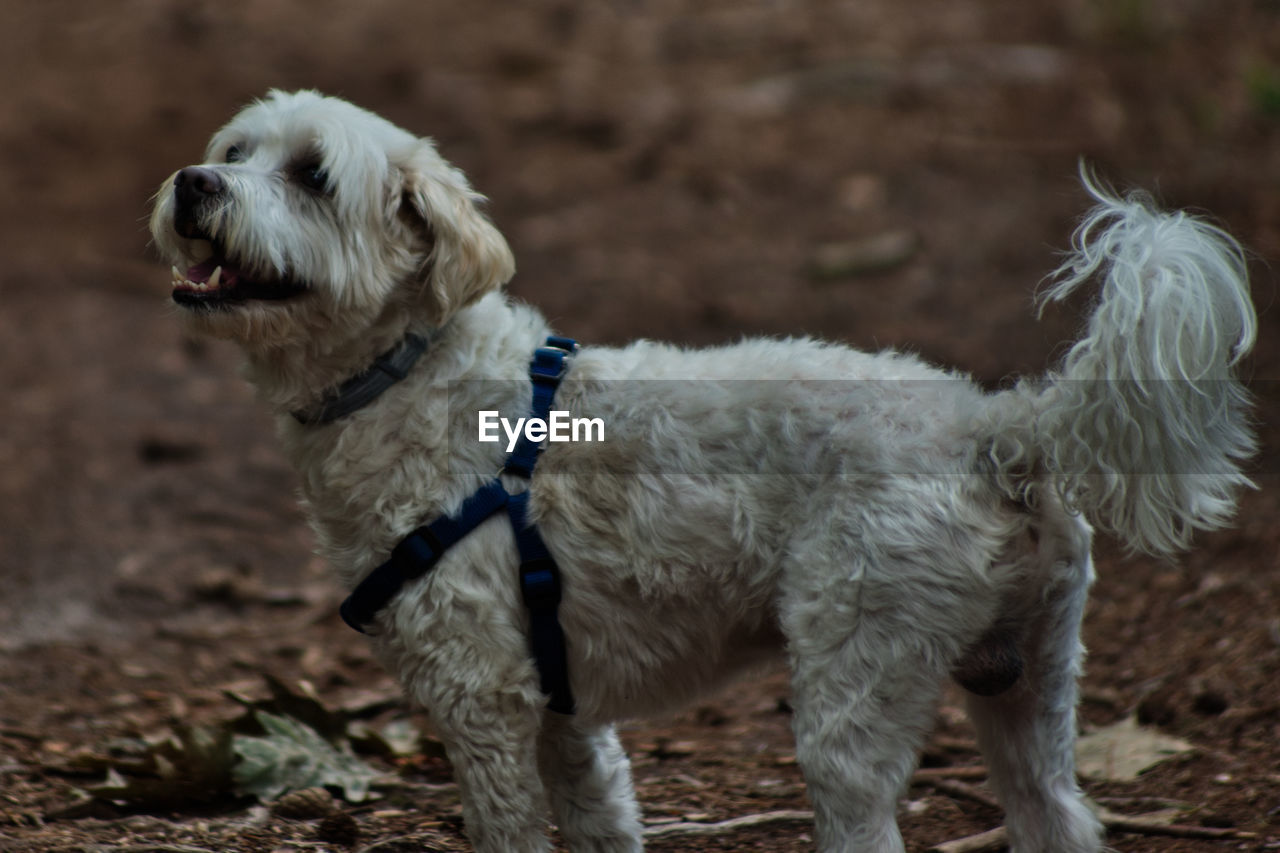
x,y
1125,750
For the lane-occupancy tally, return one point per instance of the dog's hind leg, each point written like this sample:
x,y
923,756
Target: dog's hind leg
x,y
866,677
857,757
588,780
857,734
1028,733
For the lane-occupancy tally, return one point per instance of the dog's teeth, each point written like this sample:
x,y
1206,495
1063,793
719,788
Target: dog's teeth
x,y
178,277
215,278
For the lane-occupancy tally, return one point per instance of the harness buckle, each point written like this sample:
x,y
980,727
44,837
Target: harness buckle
x,y
540,583
549,365
566,345
417,553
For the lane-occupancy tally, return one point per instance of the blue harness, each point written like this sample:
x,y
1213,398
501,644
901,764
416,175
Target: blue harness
x,y
418,552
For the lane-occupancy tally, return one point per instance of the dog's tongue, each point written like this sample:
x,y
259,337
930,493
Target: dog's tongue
x,y
206,277
201,272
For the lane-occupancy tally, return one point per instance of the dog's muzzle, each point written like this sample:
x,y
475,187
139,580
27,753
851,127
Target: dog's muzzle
x,y
217,279
193,188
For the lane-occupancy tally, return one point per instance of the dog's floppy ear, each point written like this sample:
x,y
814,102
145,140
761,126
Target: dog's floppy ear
x,y
468,256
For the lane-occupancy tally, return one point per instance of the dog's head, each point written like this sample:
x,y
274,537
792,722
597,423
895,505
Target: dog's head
x,y
311,215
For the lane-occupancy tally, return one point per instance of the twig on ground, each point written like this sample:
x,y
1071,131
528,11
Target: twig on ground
x,y
992,839
418,841
1153,823
998,838
964,791
927,775
159,848
1138,803
1145,825
730,825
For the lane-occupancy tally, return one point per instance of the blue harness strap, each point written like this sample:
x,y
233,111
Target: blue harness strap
x,y
539,574
545,371
418,552
540,588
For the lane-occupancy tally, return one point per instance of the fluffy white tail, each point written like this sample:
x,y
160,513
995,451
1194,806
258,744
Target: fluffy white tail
x,y
1144,427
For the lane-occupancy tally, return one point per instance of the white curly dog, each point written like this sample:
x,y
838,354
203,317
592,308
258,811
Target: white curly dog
x,y
878,522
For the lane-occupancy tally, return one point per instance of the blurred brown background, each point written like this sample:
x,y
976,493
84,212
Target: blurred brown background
x,y
873,172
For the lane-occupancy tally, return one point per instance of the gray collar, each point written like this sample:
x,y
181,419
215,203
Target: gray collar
x,y
363,388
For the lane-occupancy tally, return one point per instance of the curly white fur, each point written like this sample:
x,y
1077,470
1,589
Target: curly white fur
x,y
878,521
1144,427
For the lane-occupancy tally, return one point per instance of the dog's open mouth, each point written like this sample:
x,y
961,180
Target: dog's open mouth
x,y
218,282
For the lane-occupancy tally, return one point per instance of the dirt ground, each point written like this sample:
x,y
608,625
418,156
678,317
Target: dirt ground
x,y
675,169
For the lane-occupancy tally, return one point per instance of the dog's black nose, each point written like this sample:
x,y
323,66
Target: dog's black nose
x,y
194,184
191,187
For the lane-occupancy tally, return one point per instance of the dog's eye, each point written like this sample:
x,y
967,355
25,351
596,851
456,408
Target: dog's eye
x,y
234,154
313,177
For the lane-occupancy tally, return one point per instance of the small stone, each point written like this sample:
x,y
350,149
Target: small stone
x,y
666,748
227,585
863,193
862,257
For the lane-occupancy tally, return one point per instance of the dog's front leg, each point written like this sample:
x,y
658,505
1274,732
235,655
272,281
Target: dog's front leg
x,y
489,726
588,780
495,765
